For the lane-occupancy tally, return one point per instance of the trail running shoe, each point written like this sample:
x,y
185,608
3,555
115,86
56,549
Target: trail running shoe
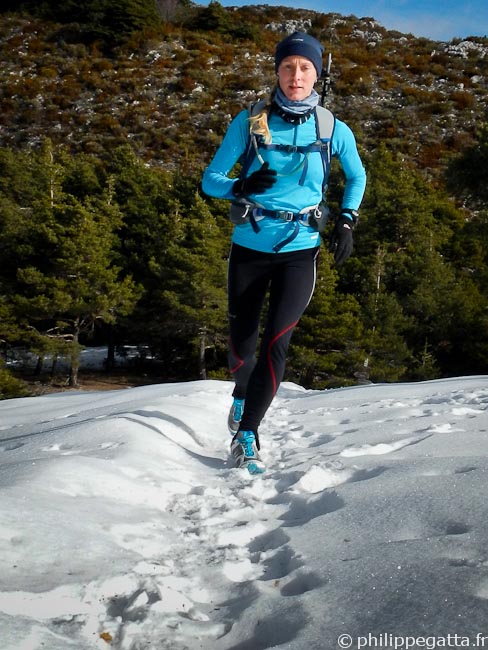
x,y
235,415
245,453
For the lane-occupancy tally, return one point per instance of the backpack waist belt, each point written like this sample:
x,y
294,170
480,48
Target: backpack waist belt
x,y
285,215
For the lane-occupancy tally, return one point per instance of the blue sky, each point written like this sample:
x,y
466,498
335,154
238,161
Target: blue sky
x,y
435,19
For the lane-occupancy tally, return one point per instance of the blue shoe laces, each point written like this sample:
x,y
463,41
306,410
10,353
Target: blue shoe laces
x,y
246,439
238,409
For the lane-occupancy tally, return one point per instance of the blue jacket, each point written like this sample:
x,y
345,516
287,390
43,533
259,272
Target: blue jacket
x,y
286,193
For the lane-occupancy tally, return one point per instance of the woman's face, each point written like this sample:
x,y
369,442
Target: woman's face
x,y
296,77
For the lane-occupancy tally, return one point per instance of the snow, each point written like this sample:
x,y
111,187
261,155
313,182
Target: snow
x,y
123,525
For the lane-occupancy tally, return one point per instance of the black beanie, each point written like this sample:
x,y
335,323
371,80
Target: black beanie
x,y
300,44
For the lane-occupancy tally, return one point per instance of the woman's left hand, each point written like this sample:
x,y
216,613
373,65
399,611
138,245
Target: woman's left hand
x,y
341,240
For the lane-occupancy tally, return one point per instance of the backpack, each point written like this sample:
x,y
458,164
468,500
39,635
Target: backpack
x,y
243,211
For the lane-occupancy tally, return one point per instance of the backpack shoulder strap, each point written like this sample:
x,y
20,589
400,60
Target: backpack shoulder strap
x,y
256,107
325,124
249,153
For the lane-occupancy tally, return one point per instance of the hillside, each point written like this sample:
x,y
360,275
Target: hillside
x,y
172,94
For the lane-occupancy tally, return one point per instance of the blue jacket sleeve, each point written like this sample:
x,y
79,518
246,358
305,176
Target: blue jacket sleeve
x,y
216,181
344,148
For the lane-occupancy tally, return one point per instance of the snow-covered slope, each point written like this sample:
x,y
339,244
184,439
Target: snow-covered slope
x,y
123,525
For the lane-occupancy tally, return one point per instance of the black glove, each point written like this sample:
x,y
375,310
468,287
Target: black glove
x,y
257,183
341,241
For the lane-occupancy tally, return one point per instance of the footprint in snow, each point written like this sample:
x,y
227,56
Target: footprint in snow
x,y
380,449
301,583
456,528
269,541
265,633
303,509
241,570
321,477
132,607
280,563
470,563
67,449
11,446
465,470
241,534
468,411
323,439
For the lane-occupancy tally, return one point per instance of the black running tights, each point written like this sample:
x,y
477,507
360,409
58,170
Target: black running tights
x,y
290,280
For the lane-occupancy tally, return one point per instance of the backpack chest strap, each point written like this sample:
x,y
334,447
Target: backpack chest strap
x,y
319,146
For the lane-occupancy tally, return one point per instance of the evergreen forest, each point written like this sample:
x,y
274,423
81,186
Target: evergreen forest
x,y
111,110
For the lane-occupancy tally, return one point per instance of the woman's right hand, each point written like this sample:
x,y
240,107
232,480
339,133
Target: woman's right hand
x,y
257,183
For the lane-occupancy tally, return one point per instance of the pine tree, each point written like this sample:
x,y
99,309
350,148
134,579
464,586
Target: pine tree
x,y
81,287
144,197
194,287
10,386
326,347
108,21
397,226
61,272
176,250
